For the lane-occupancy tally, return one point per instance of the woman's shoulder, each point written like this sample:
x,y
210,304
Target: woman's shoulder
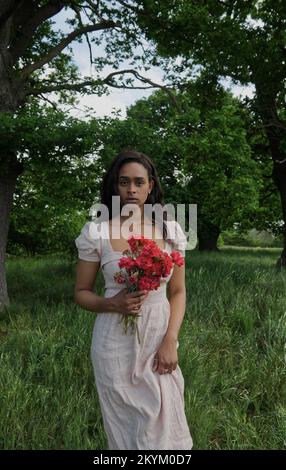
x,y
98,230
89,241
176,235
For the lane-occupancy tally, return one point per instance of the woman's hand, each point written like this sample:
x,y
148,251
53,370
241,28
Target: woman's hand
x,y
166,358
129,303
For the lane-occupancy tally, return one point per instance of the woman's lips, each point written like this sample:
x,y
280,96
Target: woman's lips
x,y
131,200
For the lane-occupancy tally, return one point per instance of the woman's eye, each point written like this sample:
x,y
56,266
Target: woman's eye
x,y
123,183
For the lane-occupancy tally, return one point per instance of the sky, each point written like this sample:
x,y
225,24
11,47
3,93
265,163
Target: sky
x,y
118,99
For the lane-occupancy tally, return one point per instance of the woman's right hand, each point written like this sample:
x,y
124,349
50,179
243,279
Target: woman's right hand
x,y
129,303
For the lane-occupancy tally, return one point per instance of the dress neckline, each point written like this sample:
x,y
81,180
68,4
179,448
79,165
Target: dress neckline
x,y
120,252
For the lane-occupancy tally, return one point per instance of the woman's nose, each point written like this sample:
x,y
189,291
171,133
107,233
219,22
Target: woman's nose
x,y
132,190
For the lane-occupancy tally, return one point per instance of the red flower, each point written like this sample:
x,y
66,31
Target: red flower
x,y
177,258
143,267
126,262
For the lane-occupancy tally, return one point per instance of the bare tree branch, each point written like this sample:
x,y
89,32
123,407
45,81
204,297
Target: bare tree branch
x,y
155,85
81,86
93,8
274,123
107,81
48,101
77,12
63,86
26,71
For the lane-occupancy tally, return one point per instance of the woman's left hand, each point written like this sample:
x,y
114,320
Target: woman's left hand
x,y
166,358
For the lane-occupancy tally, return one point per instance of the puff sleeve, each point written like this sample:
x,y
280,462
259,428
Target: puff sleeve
x,y
88,244
178,238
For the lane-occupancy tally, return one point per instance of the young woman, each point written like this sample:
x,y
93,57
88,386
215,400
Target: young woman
x,y
140,384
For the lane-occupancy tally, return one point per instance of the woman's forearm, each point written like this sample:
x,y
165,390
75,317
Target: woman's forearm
x,y
88,300
177,312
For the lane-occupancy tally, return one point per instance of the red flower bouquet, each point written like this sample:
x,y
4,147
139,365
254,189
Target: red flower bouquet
x,y
142,268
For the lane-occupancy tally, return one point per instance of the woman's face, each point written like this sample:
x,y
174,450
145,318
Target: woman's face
x,y
133,183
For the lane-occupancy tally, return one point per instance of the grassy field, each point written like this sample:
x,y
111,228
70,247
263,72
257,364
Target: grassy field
x,y
232,355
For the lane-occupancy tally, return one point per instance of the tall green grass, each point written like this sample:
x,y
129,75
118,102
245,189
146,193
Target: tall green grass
x,y
232,355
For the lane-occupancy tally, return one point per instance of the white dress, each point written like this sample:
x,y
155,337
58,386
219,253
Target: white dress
x,y
141,409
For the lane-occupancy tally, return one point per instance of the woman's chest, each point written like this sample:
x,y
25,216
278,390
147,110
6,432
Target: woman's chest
x,y
118,236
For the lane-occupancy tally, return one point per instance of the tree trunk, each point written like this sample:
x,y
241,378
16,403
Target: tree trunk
x,y
9,171
276,133
208,236
11,95
279,176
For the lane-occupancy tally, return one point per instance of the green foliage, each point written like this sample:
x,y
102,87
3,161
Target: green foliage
x,y
225,180
243,41
60,180
201,153
235,238
267,216
225,38
43,133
